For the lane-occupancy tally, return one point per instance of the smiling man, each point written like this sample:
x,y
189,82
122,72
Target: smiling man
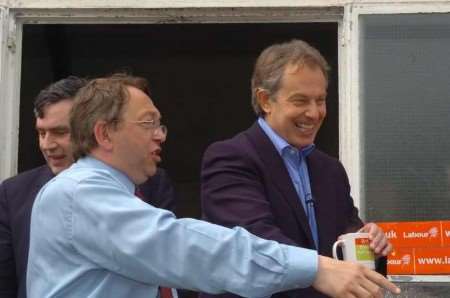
x,y
54,137
270,179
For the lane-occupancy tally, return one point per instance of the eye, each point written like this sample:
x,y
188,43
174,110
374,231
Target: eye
x,y
60,132
321,101
41,133
149,124
298,102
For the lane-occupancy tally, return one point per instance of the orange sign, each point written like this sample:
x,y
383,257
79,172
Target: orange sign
x,y
419,261
432,260
417,234
445,233
401,261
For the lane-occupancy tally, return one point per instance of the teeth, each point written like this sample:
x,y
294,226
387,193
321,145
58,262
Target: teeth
x,y
305,126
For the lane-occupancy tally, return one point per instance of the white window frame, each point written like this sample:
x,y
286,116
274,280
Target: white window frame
x,y
63,12
350,134
346,13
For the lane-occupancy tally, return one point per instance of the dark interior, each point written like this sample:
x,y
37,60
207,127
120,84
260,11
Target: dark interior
x,y
199,76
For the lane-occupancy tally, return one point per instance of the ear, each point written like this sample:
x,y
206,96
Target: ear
x,y
102,135
262,96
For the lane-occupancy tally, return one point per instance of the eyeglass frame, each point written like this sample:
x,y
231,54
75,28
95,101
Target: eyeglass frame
x,y
149,125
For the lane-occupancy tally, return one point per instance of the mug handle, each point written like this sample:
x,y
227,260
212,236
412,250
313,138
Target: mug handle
x,y
335,245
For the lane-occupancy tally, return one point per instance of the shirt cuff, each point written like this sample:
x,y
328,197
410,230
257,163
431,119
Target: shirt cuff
x,y
302,266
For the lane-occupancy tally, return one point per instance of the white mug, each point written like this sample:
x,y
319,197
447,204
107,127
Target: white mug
x,y
355,248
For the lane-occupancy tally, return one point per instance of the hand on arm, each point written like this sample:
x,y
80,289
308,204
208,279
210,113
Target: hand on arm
x,y
344,279
378,240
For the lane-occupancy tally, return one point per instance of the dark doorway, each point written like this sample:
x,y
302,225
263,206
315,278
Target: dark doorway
x,y
199,77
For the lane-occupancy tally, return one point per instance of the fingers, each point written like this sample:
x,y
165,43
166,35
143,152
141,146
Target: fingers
x,y
382,282
344,279
387,250
367,290
378,240
372,284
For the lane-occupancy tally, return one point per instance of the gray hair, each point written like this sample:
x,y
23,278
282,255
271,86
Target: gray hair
x,y
101,99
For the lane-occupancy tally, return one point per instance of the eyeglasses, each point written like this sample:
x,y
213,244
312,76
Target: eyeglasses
x,y
151,125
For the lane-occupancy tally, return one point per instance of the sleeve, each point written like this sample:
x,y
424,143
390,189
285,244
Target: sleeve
x,y
233,193
159,191
8,282
123,234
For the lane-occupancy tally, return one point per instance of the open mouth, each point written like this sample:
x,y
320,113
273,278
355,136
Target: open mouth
x,y
305,128
156,154
56,158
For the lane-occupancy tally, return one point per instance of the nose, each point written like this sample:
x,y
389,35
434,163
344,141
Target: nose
x,y
160,134
47,142
315,110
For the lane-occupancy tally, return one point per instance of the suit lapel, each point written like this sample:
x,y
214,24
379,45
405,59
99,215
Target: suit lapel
x,y
276,168
325,204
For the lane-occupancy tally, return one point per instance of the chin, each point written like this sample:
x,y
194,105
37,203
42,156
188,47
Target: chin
x,y
56,170
151,172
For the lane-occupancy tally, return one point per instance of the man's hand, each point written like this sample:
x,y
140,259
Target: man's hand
x,y
378,240
344,279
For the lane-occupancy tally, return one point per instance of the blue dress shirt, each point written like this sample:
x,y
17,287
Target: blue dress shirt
x,y
91,237
295,161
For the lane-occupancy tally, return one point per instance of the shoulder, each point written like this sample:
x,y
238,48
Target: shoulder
x,y
26,182
18,192
236,145
78,183
85,176
28,176
323,157
325,162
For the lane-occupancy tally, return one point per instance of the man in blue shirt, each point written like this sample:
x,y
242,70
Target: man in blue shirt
x,y
103,241
17,194
270,178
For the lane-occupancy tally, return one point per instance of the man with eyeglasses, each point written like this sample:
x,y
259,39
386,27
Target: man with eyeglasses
x,y
102,241
270,179
17,194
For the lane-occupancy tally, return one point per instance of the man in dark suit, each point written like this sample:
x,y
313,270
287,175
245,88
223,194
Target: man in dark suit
x,y
17,194
270,178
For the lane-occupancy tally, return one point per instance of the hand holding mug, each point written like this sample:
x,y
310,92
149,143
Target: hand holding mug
x,y
379,243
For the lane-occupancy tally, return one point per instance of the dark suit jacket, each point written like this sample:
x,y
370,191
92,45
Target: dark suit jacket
x,y
245,183
17,195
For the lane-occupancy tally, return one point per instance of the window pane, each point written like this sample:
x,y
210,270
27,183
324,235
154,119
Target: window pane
x,y
405,104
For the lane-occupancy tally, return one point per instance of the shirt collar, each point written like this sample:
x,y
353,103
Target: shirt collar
x,y
280,143
90,161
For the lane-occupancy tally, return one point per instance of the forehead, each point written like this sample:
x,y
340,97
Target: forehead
x,y
304,74
55,114
140,104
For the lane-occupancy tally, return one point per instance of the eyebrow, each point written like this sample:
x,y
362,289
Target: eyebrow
x,y
60,127
154,115
296,96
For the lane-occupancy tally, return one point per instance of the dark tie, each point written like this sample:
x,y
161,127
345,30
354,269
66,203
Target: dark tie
x,y
163,291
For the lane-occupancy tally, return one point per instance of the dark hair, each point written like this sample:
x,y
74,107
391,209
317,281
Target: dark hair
x,y
272,62
64,89
101,99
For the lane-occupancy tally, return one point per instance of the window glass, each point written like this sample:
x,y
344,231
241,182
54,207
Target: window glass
x,y
405,105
